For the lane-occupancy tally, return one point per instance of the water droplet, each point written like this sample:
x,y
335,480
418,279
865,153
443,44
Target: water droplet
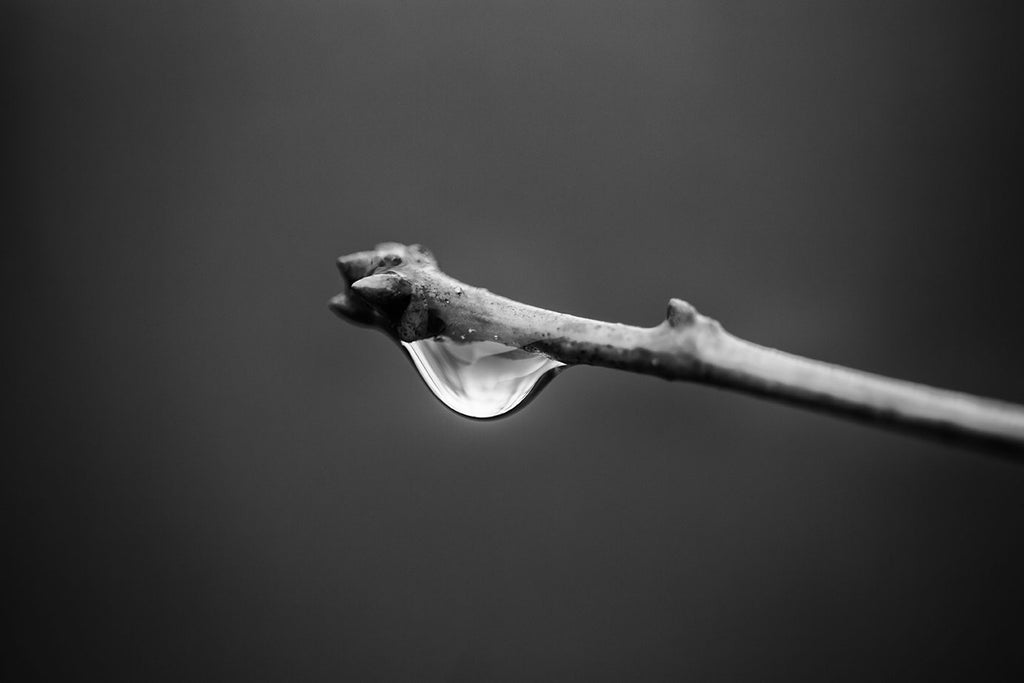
x,y
481,379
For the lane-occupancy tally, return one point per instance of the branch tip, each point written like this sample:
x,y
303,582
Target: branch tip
x,y
387,291
346,307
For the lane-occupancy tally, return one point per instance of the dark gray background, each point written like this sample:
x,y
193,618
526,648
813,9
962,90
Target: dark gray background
x,y
214,478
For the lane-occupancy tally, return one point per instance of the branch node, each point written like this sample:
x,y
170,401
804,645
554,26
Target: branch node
x,y
680,313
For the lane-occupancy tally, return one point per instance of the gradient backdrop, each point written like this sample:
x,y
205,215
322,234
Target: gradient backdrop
x,y
209,477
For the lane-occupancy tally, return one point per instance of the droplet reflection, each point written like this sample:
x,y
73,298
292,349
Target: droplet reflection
x,y
481,379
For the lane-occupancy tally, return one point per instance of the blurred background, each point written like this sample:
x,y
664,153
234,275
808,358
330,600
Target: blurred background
x,y
210,477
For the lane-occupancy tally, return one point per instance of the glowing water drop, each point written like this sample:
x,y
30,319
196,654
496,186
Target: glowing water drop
x,y
480,379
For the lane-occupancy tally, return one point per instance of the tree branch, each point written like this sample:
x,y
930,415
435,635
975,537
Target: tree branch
x,y
400,290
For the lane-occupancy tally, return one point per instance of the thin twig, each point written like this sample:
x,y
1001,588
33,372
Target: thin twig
x,y
400,290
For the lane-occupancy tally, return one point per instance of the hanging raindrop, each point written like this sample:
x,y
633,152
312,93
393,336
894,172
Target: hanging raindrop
x,y
480,379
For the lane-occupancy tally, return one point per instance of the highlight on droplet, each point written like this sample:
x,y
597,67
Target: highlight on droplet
x,y
481,379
